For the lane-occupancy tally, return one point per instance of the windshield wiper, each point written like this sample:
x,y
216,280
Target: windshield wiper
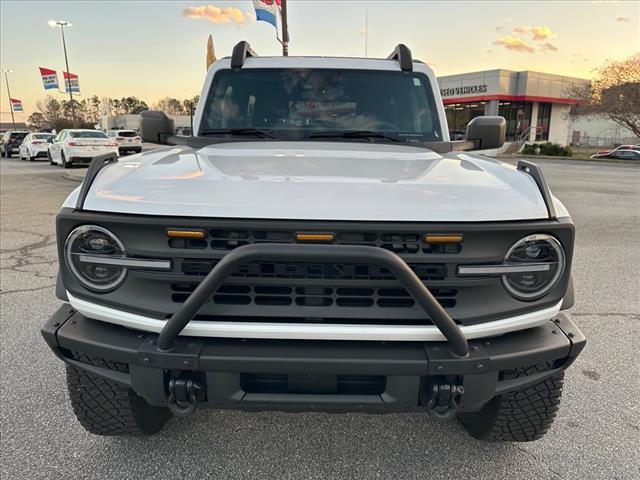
x,y
239,131
355,134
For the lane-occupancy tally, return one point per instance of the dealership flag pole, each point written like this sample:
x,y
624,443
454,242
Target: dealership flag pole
x,y
285,28
6,79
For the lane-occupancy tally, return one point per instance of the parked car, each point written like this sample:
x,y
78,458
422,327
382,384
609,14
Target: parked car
x,y
604,153
622,154
35,145
79,146
345,255
127,140
10,142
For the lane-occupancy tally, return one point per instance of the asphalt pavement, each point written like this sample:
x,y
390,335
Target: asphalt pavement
x,y
596,434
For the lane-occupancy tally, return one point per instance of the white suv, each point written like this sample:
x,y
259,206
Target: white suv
x,y
127,140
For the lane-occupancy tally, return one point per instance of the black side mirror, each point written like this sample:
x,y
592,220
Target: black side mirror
x,y
155,126
486,132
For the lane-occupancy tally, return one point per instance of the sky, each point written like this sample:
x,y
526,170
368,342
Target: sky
x,y
154,49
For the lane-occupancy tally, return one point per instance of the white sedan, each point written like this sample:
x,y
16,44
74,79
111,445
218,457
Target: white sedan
x,y
79,146
35,145
127,140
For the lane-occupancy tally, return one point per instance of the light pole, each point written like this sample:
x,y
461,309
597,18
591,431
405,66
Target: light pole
x,y
67,82
6,79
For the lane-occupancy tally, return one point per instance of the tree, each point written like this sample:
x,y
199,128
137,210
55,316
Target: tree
x,y
37,121
170,106
613,93
50,109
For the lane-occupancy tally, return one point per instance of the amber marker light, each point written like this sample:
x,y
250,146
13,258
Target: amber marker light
x,y
443,238
186,234
315,237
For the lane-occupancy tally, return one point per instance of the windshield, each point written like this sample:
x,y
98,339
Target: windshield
x,y
87,134
19,135
42,136
126,133
294,103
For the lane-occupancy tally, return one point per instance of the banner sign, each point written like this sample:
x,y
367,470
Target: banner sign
x,y
71,82
49,78
16,105
266,11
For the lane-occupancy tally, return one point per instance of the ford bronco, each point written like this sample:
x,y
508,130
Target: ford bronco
x,y
318,243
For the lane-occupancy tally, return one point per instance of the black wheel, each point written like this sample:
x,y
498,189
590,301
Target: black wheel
x,y
106,408
31,158
65,164
50,158
521,415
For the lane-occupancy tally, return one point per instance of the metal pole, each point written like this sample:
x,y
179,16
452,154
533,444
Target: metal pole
x,y
366,32
13,121
285,29
68,80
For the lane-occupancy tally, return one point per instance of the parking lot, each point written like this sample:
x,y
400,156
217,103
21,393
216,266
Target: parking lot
x,y
596,435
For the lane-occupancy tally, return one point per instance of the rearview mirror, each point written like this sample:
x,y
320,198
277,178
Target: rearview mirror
x,y
155,126
486,132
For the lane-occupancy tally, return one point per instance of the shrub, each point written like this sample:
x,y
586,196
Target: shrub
x,y
548,149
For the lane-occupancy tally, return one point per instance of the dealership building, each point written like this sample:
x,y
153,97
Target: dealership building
x,y
535,105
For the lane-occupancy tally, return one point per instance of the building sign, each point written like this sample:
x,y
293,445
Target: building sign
x,y
466,90
16,105
71,82
49,78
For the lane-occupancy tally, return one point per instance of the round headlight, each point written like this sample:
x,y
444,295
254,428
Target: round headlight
x,y
538,263
89,250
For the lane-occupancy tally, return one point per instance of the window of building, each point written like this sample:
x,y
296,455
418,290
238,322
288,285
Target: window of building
x,y
459,115
542,124
518,117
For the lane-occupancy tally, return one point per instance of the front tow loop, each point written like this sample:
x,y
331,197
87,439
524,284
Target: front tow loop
x,y
184,394
443,400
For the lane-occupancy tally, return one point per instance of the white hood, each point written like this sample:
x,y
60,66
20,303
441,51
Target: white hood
x,y
316,181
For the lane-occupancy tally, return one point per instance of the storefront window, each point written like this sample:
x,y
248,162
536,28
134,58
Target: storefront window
x,y
542,124
459,115
518,117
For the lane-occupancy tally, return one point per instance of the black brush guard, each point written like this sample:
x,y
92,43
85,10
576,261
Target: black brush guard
x,y
314,253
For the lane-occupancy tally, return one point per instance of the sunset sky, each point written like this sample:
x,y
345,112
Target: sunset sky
x,y
153,49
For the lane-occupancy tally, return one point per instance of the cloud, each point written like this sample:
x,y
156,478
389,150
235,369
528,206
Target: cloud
x,y
514,43
622,19
537,33
497,28
548,47
216,14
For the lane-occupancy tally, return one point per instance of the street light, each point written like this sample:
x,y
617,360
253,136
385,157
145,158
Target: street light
x,y
67,82
6,79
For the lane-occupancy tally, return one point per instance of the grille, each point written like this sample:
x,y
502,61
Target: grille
x,y
327,271
314,296
328,384
228,239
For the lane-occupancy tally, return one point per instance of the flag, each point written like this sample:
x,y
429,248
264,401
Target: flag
x,y
49,78
71,82
266,11
16,105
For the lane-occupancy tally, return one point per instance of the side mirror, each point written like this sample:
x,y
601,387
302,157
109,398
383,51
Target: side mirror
x,y
155,126
486,132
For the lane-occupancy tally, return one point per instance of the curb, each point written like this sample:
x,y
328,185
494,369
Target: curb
x,y
74,177
570,159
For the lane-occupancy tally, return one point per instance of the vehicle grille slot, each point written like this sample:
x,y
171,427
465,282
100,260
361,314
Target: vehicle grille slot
x,y
282,383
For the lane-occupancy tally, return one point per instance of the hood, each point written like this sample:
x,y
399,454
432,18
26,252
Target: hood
x,y
316,181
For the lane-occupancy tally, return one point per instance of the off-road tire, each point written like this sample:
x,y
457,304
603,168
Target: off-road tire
x,y
521,415
104,407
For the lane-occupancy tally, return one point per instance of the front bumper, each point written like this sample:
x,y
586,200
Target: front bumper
x,y
307,374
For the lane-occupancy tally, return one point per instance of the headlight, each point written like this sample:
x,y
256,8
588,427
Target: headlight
x,y
537,263
94,255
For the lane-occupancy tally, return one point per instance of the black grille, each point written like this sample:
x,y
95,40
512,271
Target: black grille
x,y
327,384
314,296
222,240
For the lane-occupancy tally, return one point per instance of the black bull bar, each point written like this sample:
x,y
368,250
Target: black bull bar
x,y
314,253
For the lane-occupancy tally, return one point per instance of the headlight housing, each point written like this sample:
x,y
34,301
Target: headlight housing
x,y
90,252
541,261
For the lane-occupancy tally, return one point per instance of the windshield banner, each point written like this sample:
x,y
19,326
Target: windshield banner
x,y
16,105
71,82
49,78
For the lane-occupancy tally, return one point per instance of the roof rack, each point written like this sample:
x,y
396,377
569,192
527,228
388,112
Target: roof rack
x,y
241,51
403,55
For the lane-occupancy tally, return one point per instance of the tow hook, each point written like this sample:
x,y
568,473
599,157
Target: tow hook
x,y
184,394
443,398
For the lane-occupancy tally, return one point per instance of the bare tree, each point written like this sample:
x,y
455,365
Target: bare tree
x,y
613,93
